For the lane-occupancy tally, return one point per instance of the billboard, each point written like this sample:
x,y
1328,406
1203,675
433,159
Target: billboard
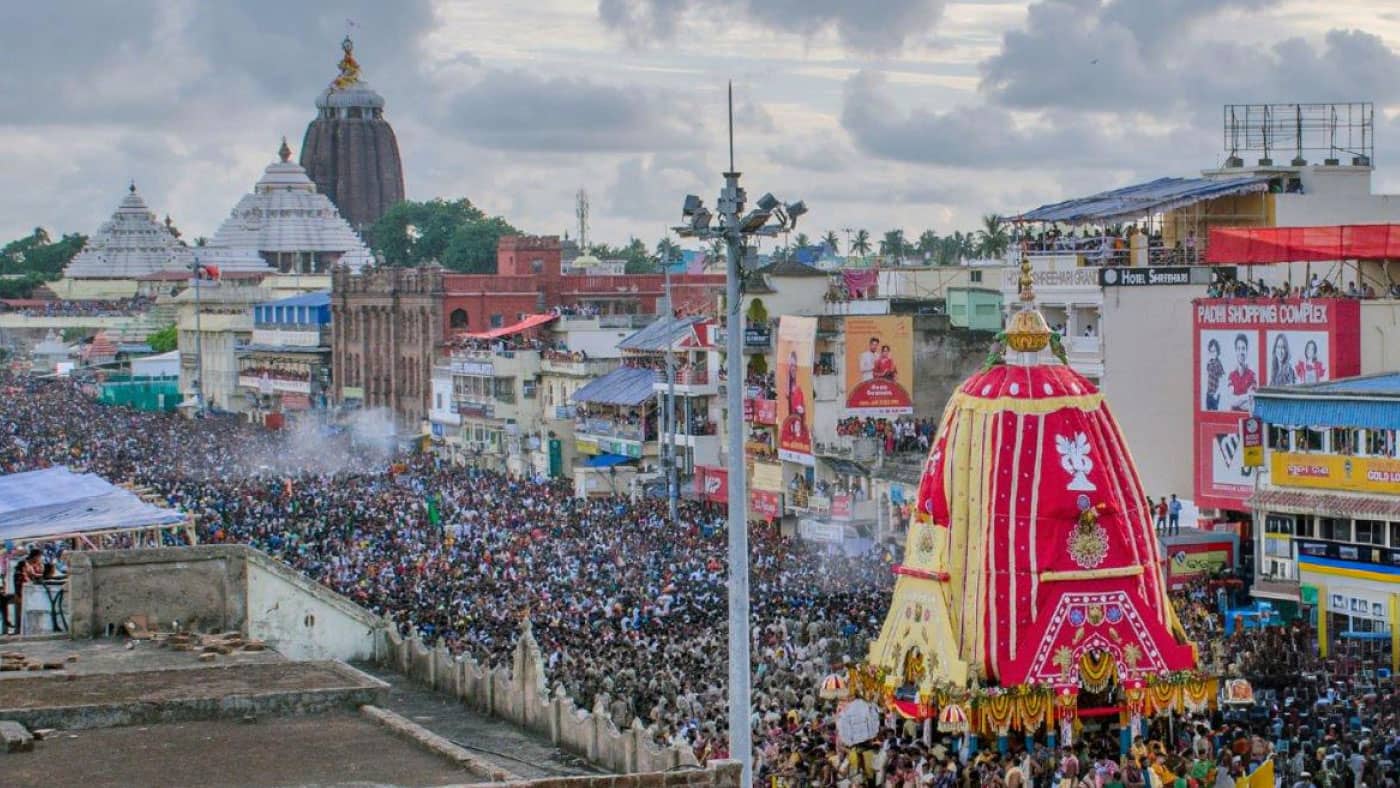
x,y
1335,472
797,338
1186,562
712,483
1243,344
765,504
879,365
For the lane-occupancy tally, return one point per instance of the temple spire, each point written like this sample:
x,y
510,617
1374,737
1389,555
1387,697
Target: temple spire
x,y
349,67
284,152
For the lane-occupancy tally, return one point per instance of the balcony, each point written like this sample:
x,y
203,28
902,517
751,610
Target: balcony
x,y
689,382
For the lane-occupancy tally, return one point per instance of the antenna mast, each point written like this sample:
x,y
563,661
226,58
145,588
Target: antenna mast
x,y
581,211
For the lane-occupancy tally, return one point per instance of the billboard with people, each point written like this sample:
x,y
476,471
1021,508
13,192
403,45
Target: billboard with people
x,y
879,365
797,338
1244,344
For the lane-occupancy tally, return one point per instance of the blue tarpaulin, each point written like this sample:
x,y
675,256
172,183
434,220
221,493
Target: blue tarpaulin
x,y
56,503
606,460
1366,402
1143,199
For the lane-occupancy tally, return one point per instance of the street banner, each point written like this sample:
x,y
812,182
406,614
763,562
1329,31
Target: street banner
x,y
797,338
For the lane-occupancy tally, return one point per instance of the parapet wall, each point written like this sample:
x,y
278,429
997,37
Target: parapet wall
x,y
520,695
218,588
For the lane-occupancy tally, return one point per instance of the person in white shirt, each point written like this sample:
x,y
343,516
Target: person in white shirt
x,y
868,359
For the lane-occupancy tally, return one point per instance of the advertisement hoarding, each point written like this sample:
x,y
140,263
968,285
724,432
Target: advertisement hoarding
x,y
765,504
879,365
1243,344
1335,472
712,483
797,338
1186,562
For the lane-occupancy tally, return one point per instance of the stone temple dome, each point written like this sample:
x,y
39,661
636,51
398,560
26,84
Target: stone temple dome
x,y
129,245
350,150
286,223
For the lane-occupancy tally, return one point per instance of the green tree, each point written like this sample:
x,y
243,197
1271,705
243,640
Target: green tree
x,y
861,244
831,241
892,245
927,244
992,239
39,254
668,253
802,241
454,233
164,340
715,250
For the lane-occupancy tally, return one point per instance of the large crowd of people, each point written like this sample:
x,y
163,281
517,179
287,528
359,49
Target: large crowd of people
x,y
629,608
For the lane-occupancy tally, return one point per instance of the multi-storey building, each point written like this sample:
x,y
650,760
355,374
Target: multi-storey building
x,y
284,371
1329,504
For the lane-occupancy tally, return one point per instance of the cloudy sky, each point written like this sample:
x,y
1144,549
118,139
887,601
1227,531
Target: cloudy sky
x,y
883,113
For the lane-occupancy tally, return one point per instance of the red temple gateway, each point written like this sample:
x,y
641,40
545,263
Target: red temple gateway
x,y
1031,588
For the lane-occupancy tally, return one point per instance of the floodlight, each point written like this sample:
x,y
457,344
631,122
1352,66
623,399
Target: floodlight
x,y
767,202
692,205
700,219
754,220
796,209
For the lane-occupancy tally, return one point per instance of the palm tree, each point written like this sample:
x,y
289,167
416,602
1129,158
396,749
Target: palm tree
x,y
802,241
892,245
927,244
993,240
861,244
667,252
831,241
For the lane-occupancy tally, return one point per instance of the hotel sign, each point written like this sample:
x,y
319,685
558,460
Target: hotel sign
x,y
1159,275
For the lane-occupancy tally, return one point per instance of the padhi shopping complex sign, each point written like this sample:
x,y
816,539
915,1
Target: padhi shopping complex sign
x,y
1243,344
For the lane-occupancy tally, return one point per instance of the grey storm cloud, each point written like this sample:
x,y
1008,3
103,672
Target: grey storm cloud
x,y
1127,56
990,137
869,26
518,110
146,60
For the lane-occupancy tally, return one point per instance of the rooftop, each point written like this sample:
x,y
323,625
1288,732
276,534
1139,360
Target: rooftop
x,y
623,386
1143,199
662,334
1368,401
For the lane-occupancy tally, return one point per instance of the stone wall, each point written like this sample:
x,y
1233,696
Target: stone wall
x,y
520,695
943,358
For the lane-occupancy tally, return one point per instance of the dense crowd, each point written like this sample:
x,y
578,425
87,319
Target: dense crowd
x,y
893,435
623,603
629,608
87,308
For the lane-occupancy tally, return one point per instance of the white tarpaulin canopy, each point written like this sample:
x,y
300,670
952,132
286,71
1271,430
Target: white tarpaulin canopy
x,y
56,502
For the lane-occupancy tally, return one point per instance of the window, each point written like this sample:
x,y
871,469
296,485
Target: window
x,y
1279,438
1380,443
975,277
497,321
1278,548
1395,534
1308,440
1278,524
528,389
536,266
505,390
458,318
1370,532
1305,526
1334,529
439,400
1343,440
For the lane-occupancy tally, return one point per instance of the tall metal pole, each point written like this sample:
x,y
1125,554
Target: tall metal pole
x,y
673,487
740,735
198,344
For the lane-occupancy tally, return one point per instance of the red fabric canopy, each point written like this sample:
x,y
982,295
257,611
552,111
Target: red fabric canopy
x,y
1250,245
514,328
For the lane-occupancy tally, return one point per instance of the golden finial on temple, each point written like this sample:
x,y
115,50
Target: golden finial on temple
x,y
349,67
1027,330
284,152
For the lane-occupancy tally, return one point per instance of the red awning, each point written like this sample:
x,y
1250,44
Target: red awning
x,y
514,328
1251,245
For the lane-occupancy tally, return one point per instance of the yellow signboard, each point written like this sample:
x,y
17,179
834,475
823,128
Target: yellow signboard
x,y
1335,472
586,446
767,476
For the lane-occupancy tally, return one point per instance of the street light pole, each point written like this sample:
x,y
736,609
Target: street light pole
x,y
672,480
768,218
740,729
198,344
